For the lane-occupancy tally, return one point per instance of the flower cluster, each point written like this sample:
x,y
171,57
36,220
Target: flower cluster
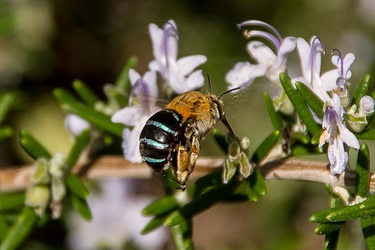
x,y
178,75
331,87
48,187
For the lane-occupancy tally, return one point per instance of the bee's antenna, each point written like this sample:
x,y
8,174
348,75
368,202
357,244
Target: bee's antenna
x,y
230,90
209,82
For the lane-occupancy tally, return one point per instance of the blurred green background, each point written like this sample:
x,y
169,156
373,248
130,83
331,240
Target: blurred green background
x,y
47,44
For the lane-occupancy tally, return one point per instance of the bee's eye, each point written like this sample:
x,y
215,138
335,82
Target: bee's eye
x,y
219,108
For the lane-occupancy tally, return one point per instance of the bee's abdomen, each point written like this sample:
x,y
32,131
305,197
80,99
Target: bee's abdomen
x,y
158,139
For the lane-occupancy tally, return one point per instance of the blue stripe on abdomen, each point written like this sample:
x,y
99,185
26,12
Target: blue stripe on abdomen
x,y
154,143
160,125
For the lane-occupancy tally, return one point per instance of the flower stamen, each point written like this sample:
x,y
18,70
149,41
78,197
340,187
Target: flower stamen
x,y
273,35
341,81
316,48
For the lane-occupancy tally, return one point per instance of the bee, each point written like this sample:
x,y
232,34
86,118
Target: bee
x,y
170,137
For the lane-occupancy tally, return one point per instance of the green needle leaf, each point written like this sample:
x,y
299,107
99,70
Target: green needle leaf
x,y
5,132
6,101
81,206
153,224
20,230
265,147
299,104
345,213
79,145
315,103
368,229
71,105
219,137
201,203
362,89
276,120
362,171
85,92
160,206
76,186
4,228
256,182
34,148
326,228
367,135
182,235
11,200
123,81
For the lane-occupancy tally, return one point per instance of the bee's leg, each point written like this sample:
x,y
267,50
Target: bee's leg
x,y
195,147
182,168
187,154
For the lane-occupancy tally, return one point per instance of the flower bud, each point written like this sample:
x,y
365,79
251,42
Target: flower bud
x,y
57,165
58,189
246,167
38,197
229,171
366,105
283,104
75,124
234,152
40,174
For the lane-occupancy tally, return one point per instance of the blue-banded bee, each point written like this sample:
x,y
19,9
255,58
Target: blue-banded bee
x,y
170,138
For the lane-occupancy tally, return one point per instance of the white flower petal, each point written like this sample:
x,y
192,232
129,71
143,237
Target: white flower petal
x,y
303,48
329,79
133,76
127,115
337,156
261,53
243,74
158,67
195,80
177,82
348,62
187,64
348,137
150,79
156,35
131,144
75,124
287,46
172,47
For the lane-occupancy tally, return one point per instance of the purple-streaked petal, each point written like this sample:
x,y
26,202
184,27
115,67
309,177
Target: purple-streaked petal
x,y
150,79
171,36
337,157
133,76
187,64
336,102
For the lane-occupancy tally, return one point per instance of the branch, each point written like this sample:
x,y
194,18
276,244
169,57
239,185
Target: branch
x,y
18,178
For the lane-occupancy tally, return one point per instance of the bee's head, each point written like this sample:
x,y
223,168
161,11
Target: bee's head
x,y
219,104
